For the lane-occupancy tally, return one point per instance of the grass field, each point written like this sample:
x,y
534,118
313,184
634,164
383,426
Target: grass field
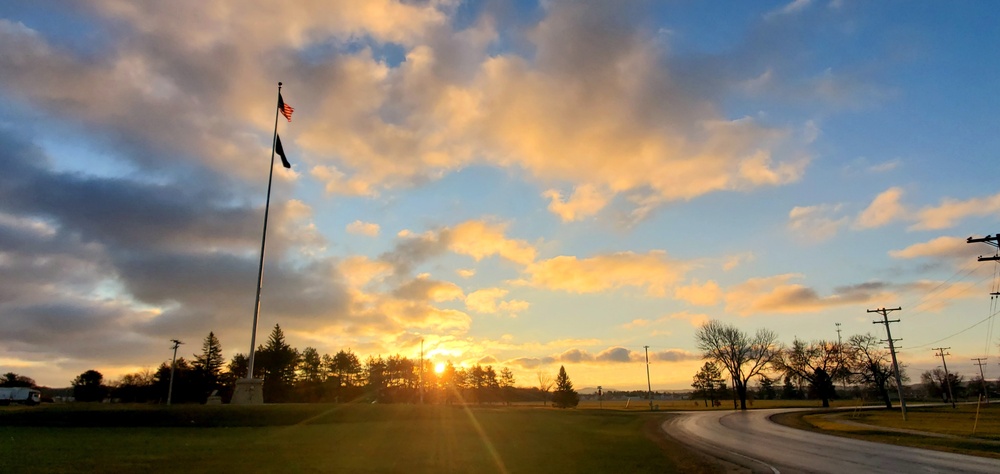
x,y
416,439
954,424
334,438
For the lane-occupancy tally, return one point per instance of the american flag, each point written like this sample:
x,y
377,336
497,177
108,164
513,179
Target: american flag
x,y
285,109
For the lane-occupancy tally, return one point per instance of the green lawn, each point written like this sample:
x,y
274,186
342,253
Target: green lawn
x,y
334,438
956,423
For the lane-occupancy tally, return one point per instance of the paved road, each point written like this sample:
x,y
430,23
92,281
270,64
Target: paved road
x,y
752,440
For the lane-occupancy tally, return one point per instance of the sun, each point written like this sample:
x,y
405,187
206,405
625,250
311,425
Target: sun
x,y
439,368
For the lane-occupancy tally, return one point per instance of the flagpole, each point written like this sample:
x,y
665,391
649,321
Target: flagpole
x,y
263,238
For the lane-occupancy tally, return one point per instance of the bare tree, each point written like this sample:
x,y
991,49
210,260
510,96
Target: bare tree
x,y
743,356
817,363
544,385
869,364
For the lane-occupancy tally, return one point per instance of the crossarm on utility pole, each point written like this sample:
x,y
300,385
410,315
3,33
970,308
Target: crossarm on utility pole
x,y
892,351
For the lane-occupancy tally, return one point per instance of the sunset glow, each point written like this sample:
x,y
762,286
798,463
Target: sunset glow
x,y
516,184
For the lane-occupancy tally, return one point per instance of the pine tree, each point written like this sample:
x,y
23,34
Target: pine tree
x,y
564,396
210,360
706,381
278,361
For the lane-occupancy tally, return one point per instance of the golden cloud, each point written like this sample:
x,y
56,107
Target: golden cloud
x,y
777,295
945,246
708,294
480,239
585,201
653,271
950,211
885,208
485,300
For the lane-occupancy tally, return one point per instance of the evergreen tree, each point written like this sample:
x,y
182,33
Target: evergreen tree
x,y
312,366
278,362
564,396
237,367
208,365
210,361
188,383
706,381
788,390
506,383
766,390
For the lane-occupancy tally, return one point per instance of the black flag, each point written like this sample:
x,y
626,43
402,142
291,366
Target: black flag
x,y
280,151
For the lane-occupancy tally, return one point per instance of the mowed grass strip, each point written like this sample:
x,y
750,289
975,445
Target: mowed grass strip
x,y
328,438
955,423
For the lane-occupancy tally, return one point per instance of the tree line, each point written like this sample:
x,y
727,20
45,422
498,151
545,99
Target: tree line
x,y
305,376
808,369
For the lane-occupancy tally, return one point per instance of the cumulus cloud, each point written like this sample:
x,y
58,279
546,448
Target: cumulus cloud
x,y
694,319
614,354
424,288
466,272
168,244
562,116
654,272
477,239
950,211
674,355
885,208
816,222
489,301
707,294
585,201
940,247
134,262
370,229
778,295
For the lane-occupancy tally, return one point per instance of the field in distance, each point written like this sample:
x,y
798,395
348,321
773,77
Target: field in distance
x,y
335,438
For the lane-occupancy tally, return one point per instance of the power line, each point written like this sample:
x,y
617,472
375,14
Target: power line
x,y
953,335
993,241
921,306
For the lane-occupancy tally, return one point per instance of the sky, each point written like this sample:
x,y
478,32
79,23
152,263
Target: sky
x,y
515,183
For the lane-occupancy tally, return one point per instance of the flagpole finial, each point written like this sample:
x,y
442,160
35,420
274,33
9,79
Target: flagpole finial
x,y
279,83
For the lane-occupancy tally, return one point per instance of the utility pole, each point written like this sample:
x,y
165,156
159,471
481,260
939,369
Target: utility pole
x,y
421,371
173,364
947,376
649,386
840,357
981,361
892,350
994,241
